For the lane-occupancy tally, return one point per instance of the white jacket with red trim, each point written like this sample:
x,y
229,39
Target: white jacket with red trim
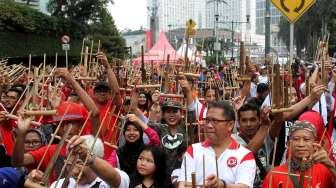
x,y
236,165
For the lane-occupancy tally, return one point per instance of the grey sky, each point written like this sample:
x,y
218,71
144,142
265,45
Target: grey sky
x,y
131,14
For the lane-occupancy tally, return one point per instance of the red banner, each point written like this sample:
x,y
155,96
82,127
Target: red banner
x,y
148,40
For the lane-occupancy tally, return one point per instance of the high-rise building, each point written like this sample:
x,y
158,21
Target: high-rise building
x,y
174,14
276,43
232,14
40,5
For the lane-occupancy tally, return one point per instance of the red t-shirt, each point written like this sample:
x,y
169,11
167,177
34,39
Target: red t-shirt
x,y
109,132
6,129
38,154
296,84
321,177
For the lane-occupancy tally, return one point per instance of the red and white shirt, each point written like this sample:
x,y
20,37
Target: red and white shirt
x,y
236,165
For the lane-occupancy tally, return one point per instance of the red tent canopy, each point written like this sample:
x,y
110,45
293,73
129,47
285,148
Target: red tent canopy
x,y
159,52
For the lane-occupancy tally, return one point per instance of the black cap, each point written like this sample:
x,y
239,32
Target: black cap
x,y
102,85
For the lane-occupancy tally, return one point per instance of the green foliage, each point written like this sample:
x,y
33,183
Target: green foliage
x,y
81,11
38,33
23,19
22,44
311,27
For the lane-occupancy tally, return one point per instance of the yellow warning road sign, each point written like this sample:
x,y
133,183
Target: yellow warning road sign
x,y
191,27
293,9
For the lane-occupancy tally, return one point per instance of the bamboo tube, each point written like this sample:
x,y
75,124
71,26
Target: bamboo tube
x,y
56,58
273,160
185,170
243,79
82,51
125,89
86,78
70,153
146,86
14,117
171,95
193,180
86,60
40,112
91,52
29,66
98,50
290,174
217,171
280,110
189,74
242,59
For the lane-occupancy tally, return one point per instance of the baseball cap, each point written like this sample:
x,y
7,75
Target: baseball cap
x,y
102,85
70,111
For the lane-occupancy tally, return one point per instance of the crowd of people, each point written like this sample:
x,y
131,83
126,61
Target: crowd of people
x,y
103,136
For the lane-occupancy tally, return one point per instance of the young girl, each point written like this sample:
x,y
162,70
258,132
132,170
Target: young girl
x,y
151,169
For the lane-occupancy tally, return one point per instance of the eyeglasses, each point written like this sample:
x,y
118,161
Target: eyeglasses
x,y
33,143
215,121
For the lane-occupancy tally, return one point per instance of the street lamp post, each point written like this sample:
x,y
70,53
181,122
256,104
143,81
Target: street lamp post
x,y
169,31
232,31
217,47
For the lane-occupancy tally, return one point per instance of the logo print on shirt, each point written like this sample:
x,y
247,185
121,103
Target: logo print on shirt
x,y
232,162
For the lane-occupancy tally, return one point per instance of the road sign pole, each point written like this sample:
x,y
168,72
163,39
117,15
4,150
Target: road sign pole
x,y
267,28
66,59
291,43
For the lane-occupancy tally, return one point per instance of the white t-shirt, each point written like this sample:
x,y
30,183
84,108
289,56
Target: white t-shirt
x,y
124,182
263,79
236,165
253,90
199,109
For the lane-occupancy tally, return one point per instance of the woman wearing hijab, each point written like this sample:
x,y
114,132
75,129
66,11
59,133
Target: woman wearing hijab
x,y
126,157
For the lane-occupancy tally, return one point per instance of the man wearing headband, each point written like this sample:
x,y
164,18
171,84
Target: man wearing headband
x,y
307,157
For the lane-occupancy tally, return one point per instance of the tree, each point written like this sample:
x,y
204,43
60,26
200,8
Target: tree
x,y
21,24
311,26
78,10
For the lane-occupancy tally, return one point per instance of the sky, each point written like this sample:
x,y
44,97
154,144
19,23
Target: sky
x,y
129,14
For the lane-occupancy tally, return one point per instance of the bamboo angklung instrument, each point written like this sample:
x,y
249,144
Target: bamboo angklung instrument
x,y
277,91
43,183
52,162
166,75
143,70
94,142
242,64
70,153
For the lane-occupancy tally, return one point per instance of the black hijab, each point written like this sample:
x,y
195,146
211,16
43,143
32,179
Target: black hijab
x,y
129,153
